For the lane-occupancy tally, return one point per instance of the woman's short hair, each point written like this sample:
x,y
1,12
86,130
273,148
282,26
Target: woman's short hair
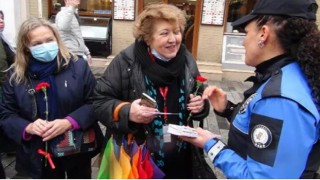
x,y
143,26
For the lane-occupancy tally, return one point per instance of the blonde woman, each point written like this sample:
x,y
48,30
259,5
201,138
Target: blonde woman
x,y
42,58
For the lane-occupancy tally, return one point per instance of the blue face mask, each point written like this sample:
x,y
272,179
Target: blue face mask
x,y
157,55
45,52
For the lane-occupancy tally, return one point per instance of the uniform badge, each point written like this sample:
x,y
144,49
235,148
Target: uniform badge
x,y
245,104
261,136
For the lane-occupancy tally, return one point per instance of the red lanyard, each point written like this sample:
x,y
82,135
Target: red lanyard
x,y
164,92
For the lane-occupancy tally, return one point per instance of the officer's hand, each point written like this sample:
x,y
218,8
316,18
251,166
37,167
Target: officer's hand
x,y
217,98
203,137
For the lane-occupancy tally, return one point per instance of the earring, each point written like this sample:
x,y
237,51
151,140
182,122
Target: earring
x,y
261,44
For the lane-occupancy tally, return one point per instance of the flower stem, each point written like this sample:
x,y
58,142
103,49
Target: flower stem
x,y
47,115
190,114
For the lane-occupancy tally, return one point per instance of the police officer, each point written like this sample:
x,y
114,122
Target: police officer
x,y
274,132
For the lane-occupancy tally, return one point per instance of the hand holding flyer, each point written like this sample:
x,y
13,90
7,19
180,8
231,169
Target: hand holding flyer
x,y
182,131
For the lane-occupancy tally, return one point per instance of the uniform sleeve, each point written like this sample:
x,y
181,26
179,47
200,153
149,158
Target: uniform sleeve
x,y
283,152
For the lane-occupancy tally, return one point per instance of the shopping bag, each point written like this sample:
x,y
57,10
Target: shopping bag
x,y
74,142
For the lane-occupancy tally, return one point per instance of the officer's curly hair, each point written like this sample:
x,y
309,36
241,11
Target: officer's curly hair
x,y
301,39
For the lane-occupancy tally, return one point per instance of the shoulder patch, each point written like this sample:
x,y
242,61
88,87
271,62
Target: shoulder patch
x,y
265,135
261,136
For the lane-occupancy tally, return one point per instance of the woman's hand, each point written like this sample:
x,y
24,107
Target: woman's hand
x,y
55,128
73,3
217,98
38,127
203,137
89,59
141,114
196,104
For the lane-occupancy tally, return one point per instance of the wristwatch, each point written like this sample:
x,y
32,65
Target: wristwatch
x,y
216,149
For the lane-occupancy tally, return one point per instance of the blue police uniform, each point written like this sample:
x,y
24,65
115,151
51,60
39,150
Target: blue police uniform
x,y
275,133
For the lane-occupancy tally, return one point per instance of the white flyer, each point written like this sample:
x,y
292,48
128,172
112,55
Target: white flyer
x,y
182,131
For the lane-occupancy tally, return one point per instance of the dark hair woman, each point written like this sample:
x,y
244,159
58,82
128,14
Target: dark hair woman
x,y
274,132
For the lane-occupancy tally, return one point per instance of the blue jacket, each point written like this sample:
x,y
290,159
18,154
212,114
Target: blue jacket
x,y
276,131
75,85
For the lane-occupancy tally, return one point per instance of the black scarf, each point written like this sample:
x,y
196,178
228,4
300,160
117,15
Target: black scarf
x,y
160,73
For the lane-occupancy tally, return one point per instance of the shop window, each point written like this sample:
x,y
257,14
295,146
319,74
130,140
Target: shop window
x,y
236,10
87,7
146,2
95,23
189,8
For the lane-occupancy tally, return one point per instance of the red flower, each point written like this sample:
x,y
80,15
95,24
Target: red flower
x,y
42,86
201,79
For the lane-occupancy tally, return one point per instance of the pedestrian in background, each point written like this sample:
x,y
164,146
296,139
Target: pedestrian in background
x,y
67,22
7,52
33,119
6,59
158,64
274,132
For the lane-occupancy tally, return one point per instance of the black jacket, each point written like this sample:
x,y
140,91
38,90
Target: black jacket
x,y
123,81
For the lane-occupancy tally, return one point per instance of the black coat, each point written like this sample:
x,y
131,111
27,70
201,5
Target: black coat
x,y
75,85
123,81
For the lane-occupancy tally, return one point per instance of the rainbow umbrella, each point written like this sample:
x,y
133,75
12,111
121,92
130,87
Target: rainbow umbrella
x,y
104,169
125,164
115,167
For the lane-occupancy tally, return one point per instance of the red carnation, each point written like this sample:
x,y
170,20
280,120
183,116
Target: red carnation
x,y
42,86
201,79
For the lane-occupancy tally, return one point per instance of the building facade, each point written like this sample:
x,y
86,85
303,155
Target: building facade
x,y
215,45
